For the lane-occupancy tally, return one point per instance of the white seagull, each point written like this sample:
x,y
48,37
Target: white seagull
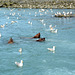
x,y
0,35
54,31
52,49
29,22
52,27
19,64
20,50
2,26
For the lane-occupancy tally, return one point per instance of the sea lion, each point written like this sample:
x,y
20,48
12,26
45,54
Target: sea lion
x,y
37,36
41,39
10,41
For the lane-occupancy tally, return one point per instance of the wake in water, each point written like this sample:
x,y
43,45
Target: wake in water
x,y
68,28
63,71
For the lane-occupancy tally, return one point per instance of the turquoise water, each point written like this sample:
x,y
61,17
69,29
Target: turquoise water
x,y
37,59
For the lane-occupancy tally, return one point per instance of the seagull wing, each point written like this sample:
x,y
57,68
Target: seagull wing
x,y
50,49
17,63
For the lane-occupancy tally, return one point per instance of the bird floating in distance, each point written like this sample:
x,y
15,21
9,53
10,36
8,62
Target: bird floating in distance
x,y
52,49
19,64
54,31
2,26
0,35
52,27
20,50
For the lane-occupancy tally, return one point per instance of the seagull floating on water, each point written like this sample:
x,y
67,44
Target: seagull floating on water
x,y
52,49
52,27
54,31
0,35
2,26
19,64
29,22
20,50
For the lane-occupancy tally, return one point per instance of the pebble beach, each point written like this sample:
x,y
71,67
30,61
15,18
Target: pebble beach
x,y
57,4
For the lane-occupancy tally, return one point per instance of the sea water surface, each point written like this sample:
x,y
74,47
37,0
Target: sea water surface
x,y
35,55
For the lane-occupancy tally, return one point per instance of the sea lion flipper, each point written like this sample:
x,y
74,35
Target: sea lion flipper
x,y
10,41
37,36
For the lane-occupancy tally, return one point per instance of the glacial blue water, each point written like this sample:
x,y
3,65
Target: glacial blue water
x,y
36,58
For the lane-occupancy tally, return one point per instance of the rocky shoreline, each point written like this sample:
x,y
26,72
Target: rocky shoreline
x,y
38,4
